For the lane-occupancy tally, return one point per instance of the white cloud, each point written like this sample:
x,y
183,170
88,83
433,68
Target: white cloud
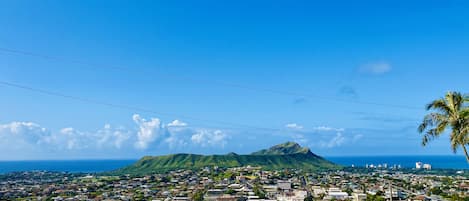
x,y
327,128
376,68
148,132
22,127
294,126
28,139
18,135
177,123
336,141
112,137
73,139
177,137
174,140
176,134
318,136
184,137
28,130
204,137
299,138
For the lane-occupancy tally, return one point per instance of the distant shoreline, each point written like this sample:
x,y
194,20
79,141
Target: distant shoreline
x,y
325,156
102,165
437,161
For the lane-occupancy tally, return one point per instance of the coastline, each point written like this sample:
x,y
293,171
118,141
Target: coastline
x,y
102,165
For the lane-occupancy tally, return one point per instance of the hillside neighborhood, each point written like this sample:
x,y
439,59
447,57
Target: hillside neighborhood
x,y
236,184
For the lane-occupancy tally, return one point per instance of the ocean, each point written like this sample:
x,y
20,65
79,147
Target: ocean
x,y
84,166
90,166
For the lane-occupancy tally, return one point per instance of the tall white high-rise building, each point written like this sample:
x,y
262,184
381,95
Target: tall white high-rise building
x,y
418,165
427,166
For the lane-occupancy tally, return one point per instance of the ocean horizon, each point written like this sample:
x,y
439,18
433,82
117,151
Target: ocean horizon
x,y
103,165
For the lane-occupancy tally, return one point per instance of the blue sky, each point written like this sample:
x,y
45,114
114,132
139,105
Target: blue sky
x,y
341,77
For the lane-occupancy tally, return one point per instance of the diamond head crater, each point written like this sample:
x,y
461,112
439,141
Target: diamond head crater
x,y
289,155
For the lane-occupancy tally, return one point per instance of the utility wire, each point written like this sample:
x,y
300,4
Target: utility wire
x,y
128,107
232,85
144,110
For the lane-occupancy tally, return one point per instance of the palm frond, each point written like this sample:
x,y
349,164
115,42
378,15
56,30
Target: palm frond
x,y
429,136
432,119
452,112
439,105
464,113
441,127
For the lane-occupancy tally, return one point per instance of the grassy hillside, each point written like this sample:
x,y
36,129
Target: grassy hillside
x,y
287,155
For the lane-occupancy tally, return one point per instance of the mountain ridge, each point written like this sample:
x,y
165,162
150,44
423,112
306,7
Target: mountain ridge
x,y
283,149
289,155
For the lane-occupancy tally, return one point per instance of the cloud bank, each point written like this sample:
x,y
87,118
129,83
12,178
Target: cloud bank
x,y
152,136
148,135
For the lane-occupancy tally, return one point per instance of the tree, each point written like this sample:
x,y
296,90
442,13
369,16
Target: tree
x,y
308,198
349,191
374,198
198,196
379,193
452,112
436,191
258,192
230,191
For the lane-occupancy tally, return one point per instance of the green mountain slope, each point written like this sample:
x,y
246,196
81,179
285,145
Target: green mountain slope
x,y
287,155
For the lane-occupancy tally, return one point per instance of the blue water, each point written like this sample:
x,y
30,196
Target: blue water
x,y
85,166
88,166
440,162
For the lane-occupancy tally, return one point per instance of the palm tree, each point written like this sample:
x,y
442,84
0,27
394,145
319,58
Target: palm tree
x,y
451,112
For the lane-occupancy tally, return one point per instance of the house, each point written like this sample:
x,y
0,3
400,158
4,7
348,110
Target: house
x,y
336,193
358,196
284,185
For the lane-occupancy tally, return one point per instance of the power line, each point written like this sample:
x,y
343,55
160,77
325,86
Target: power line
x,y
144,110
232,85
54,58
128,107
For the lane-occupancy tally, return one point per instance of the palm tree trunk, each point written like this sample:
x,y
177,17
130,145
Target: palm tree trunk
x,y
463,145
465,152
